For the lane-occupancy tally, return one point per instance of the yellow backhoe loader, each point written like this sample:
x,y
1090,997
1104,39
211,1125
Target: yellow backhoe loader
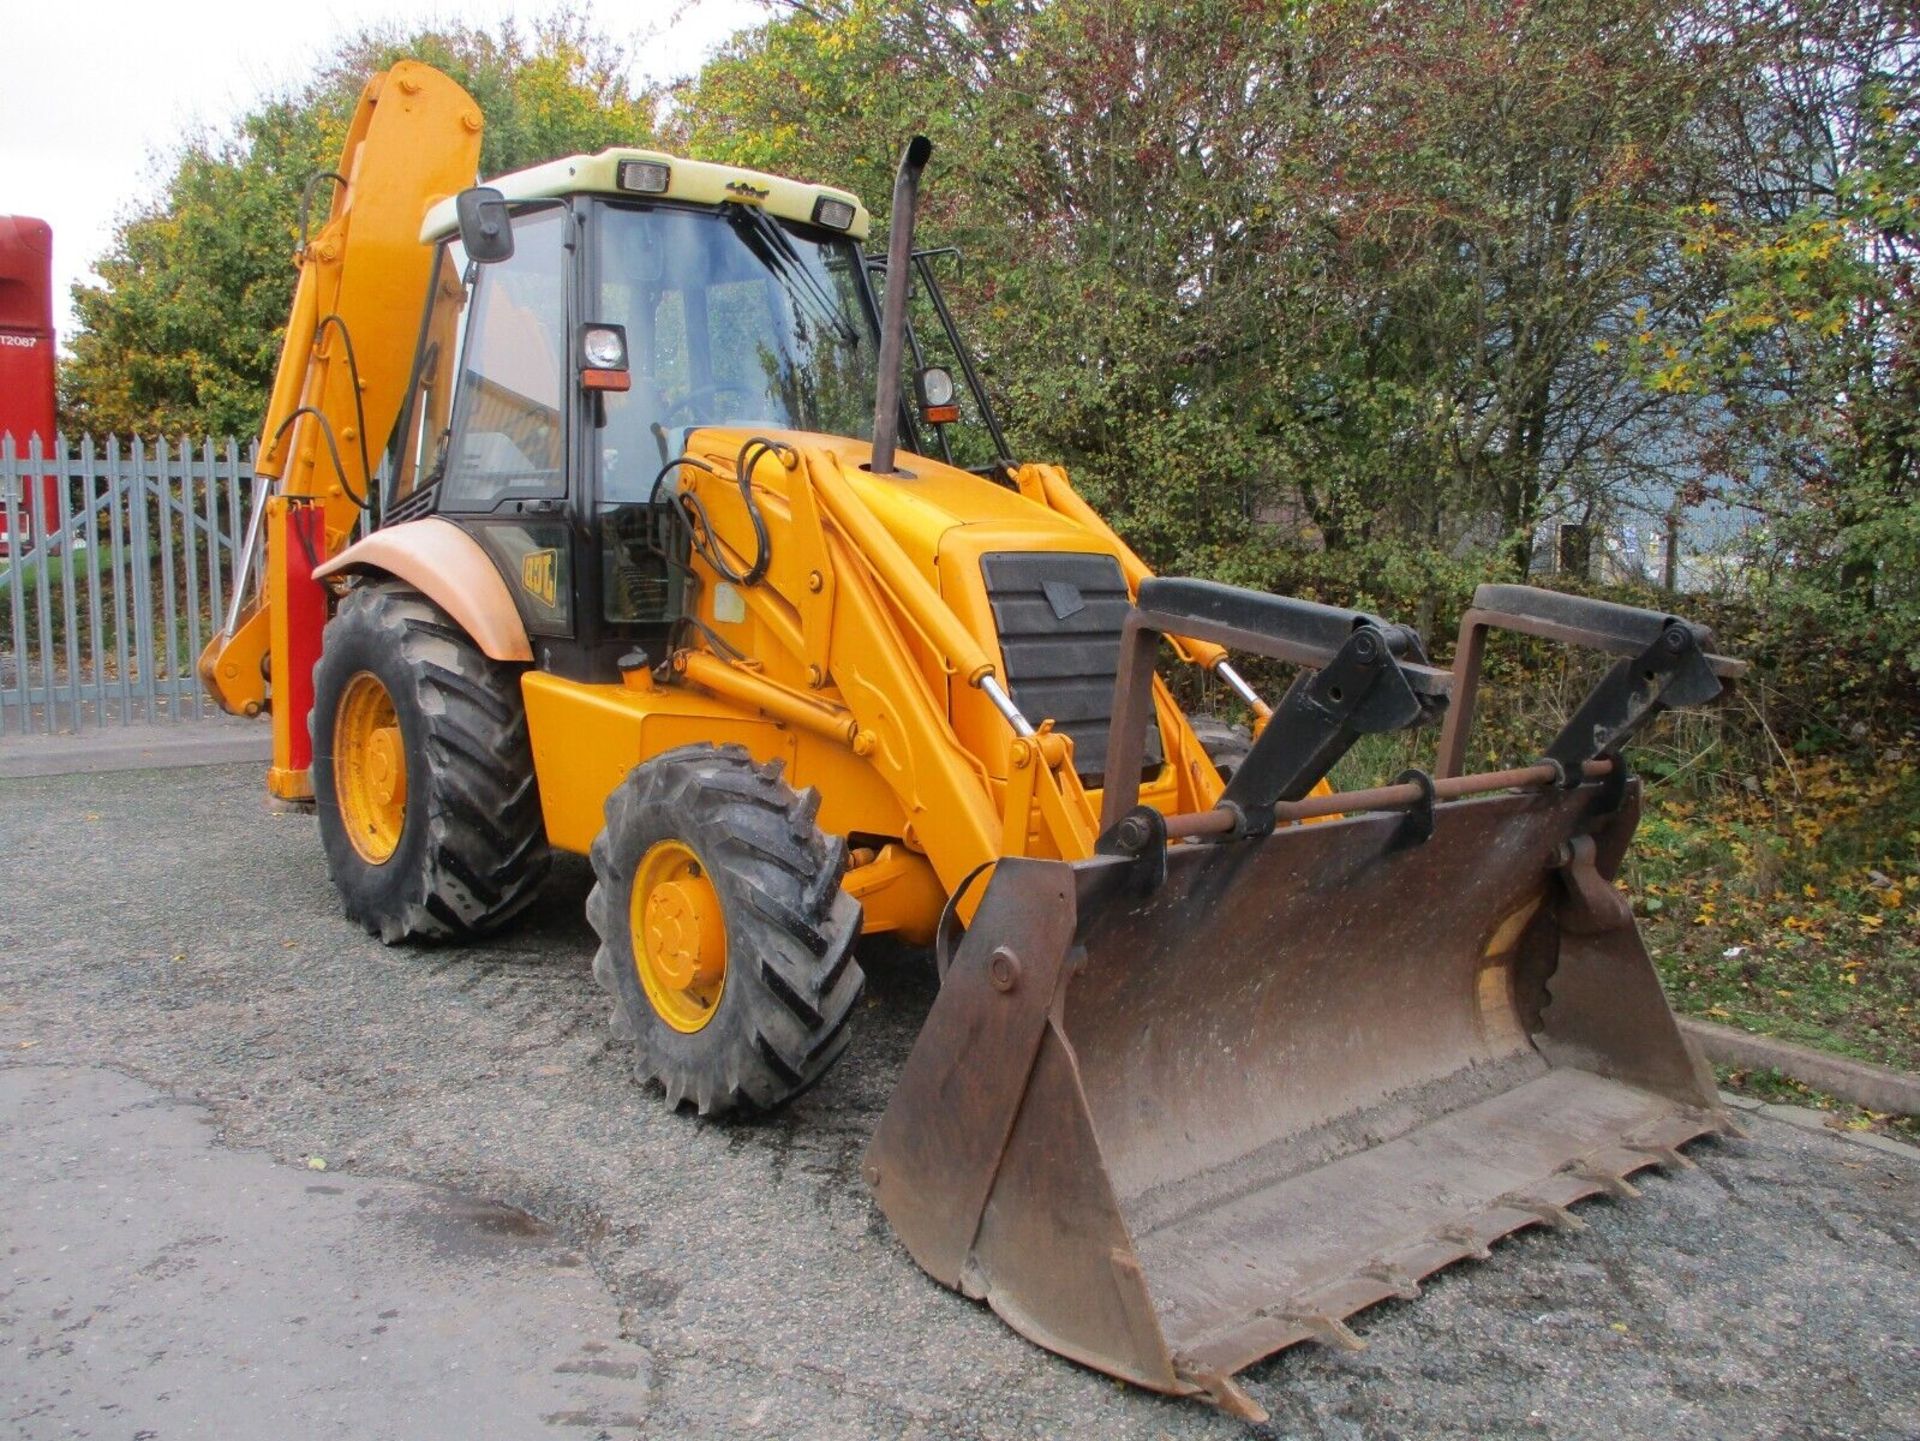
x,y
613,508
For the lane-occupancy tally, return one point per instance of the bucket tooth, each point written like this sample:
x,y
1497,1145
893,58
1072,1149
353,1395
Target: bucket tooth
x,y
1226,1393
1669,1156
1550,1212
1328,1330
1387,1274
1612,1182
1465,1236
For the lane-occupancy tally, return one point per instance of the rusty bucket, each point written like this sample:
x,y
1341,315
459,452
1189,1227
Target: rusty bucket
x,y
1166,1136
1169,1127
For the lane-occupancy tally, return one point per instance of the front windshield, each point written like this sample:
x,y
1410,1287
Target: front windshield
x,y
732,318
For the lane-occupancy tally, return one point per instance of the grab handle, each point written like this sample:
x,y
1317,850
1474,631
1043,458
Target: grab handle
x,y
1602,625
1364,675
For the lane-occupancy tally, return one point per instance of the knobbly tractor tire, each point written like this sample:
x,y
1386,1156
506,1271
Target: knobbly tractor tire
x,y
725,939
422,773
1226,745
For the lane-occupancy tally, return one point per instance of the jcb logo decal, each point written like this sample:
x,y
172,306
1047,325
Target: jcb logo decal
x,y
538,574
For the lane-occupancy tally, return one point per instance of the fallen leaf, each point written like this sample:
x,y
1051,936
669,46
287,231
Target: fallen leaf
x,y
316,1163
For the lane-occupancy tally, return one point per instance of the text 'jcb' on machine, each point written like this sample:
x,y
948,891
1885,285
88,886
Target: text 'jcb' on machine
x,y
598,521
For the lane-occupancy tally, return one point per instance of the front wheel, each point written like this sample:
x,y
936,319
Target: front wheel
x,y
725,939
1226,745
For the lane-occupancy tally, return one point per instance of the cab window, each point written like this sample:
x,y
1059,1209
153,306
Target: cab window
x,y
509,430
418,453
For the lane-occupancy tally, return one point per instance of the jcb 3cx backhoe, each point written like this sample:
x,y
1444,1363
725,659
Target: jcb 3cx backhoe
x,y
600,520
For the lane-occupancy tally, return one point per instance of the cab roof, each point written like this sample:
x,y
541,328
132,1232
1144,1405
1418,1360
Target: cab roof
x,y
698,182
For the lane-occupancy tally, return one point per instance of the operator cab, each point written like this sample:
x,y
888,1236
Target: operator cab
x,y
598,309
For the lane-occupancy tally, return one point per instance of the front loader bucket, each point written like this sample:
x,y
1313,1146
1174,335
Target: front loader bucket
x,y
1167,1134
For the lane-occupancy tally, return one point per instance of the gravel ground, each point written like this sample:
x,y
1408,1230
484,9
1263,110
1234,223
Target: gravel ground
x,y
166,925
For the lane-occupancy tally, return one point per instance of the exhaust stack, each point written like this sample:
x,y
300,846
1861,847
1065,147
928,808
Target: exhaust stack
x,y
893,315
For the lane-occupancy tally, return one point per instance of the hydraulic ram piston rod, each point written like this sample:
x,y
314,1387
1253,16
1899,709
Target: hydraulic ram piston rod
x,y
1384,798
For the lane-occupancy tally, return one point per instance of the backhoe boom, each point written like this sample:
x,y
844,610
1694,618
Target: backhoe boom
x,y
343,375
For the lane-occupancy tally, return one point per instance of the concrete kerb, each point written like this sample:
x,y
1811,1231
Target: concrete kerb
x,y
135,748
1874,1088
1805,1118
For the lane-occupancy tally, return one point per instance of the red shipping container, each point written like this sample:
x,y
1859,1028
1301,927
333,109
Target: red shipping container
x,y
26,360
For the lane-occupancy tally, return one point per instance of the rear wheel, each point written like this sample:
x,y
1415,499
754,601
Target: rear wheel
x,y
422,772
725,939
1226,745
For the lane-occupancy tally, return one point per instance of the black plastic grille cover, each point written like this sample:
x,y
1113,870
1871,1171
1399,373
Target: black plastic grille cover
x,y
1059,618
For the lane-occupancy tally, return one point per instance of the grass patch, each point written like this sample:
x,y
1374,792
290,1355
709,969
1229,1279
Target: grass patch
x,y
1791,906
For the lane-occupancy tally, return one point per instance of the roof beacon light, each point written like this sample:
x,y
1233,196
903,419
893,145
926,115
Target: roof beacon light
x,y
646,177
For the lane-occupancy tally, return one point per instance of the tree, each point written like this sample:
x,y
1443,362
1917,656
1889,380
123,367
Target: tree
x,y
1803,358
1501,179
1363,269
183,334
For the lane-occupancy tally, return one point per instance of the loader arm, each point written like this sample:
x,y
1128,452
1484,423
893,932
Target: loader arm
x,y
858,616
342,377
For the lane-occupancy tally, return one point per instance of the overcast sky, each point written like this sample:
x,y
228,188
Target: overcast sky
x,y
94,97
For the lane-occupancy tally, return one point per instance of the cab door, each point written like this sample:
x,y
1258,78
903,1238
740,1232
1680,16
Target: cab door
x,y
505,474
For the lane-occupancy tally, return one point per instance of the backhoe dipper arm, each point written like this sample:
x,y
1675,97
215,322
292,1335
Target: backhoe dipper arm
x,y
343,374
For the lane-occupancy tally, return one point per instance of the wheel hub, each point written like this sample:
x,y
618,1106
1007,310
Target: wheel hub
x,y
370,768
679,936
387,766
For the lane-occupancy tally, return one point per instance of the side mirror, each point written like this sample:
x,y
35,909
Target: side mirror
x,y
937,403
486,233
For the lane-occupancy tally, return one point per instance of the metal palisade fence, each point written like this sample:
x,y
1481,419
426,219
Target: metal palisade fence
x,y
116,567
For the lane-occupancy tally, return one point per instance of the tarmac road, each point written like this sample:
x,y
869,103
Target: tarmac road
x,y
186,1021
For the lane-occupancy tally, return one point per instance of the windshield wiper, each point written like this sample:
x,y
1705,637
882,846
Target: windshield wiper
x,y
774,248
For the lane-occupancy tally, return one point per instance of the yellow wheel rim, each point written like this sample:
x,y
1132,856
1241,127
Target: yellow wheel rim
x,y
679,936
369,768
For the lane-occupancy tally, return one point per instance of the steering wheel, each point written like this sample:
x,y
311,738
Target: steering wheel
x,y
701,395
